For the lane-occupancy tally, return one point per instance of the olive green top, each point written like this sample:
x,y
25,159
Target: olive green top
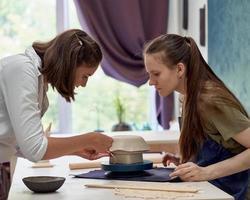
x,y
223,124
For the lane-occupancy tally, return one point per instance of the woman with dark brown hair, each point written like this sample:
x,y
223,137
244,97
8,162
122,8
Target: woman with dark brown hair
x,y
65,62
214,141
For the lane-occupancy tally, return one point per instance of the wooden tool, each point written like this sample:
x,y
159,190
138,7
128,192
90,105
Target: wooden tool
x,y
166,188
42,164
85,165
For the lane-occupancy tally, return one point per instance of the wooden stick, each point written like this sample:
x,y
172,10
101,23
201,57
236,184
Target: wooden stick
x,y
86,165
165,188
42,164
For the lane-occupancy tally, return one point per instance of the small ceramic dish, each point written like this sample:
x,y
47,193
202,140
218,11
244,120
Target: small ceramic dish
x,y
129,143
43,184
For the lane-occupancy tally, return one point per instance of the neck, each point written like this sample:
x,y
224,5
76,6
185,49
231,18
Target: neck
x,y
181,88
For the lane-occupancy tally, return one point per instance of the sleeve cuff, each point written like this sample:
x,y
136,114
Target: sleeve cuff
x,y
40,153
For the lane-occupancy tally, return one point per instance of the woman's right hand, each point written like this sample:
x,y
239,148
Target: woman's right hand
x,y
90,154
170,158
89,145
100,142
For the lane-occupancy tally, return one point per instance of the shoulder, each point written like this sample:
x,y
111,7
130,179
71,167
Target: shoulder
x,y
18,65
215,100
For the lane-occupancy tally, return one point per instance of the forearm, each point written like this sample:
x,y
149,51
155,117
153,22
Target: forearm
x,y
65,146
230,166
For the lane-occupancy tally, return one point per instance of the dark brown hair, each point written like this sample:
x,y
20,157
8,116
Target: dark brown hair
x,y
203,88
63,54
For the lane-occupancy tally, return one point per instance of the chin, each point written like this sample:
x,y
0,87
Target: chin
x,y
163,94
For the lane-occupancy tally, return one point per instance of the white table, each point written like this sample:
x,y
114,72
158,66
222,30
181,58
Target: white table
x,y
74,188
159,141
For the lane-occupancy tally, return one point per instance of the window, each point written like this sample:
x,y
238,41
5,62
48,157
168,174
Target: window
x,y
24,21
21,23
94,107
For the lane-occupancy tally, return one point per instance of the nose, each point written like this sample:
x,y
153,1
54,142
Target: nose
x,y
151,82
83,85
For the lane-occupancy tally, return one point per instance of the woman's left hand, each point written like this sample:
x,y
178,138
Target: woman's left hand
x,y
191,172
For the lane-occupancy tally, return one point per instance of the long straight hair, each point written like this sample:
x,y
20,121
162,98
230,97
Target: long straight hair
x,y
63,54
202,86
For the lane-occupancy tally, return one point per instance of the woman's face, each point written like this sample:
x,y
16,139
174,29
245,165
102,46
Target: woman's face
x,y
164,79
83,72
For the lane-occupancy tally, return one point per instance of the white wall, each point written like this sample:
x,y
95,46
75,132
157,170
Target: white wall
x,y
175,26
175,20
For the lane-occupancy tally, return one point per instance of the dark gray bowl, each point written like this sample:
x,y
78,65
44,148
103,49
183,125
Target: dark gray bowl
x,y
43,184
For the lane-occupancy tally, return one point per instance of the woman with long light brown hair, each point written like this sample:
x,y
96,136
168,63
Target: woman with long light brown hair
x,y
65,62
214,141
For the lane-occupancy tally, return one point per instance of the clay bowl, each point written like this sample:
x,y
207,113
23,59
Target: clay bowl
x,y
129,143
43,184
127,149
126,157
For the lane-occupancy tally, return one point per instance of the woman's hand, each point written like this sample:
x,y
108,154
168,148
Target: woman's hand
x,y
90,154
97,147
99,142
89,145
191,172
170,158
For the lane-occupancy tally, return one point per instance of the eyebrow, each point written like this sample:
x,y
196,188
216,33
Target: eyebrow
x,y
153,71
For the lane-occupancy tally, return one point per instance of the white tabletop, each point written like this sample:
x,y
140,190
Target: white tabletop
x,y
152,137
74,188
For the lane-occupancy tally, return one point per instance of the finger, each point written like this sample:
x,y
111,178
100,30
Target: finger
x,y
103,154
187,177
164,162
90,151
176,162
184,165
166,158
85,155
110,153
168,162
100,155
96,156
181,172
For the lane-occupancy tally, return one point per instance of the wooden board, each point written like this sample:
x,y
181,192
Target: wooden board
x,y
153,187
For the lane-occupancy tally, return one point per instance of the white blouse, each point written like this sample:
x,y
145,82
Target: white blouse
x,y
23,101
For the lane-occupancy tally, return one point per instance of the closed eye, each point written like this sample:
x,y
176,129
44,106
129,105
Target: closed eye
x,y
156,74
84,77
